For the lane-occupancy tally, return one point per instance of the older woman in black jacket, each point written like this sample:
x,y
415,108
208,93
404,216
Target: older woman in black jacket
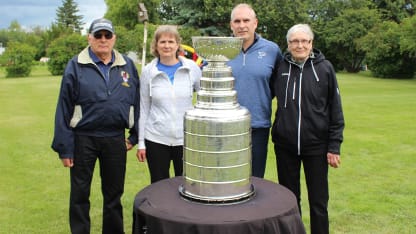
x,y
309,122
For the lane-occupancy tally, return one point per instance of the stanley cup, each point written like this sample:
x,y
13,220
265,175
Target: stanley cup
x,y
217,132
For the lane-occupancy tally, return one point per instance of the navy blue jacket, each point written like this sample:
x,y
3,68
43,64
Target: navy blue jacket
x,y
90,106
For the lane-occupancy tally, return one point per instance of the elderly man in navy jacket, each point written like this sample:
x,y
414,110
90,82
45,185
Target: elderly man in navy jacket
x,y
98,100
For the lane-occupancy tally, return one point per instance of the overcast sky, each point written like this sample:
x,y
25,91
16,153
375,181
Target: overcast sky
x,y
30,13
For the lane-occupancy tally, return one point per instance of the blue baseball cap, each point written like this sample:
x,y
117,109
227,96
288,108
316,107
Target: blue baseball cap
x,y
101,24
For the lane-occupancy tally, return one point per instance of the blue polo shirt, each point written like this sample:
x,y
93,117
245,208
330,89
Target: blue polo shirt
x,y
104,68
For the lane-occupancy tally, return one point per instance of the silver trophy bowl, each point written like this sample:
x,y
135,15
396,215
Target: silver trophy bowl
x,y
220,49
217,132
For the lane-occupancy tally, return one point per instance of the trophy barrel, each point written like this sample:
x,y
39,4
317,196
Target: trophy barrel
x,y
217,155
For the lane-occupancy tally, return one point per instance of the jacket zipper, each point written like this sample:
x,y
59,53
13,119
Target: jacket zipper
x,y
300,107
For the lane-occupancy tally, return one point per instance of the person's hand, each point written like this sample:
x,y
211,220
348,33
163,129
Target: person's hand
x,y
129,146
334,160
67,162
141,155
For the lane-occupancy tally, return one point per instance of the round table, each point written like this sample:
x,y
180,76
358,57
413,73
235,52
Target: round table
x,y
160,209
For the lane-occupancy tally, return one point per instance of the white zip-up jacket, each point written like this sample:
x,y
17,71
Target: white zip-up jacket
x,y
163,104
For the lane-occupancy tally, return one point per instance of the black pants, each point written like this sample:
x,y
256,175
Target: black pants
x,y
111,153
316,175
158,158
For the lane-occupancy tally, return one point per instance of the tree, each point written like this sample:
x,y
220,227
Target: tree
x,y
38,38
62,50
67,17
342,33
127,40
322,13
408,36
167,10
395,10
384,56
212,17
19,57
187,33
15,33
277,16
125,12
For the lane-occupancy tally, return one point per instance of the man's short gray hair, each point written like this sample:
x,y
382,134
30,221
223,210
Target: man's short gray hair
x,y
243,5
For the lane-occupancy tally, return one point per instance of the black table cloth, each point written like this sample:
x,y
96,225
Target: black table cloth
x,y
160,209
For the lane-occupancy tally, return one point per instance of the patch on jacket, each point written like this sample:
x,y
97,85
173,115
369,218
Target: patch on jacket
x,y
126,78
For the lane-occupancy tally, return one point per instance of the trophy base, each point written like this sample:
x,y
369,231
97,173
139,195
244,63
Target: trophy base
x,y
217,200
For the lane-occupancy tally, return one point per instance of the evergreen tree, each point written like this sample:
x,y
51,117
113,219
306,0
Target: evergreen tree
x,y
67,17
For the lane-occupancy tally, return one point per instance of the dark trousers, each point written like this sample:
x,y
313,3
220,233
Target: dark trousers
x,y
260,140
315,168
158,158
111,154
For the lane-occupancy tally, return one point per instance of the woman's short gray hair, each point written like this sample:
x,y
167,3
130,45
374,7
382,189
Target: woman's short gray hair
x,y
305,28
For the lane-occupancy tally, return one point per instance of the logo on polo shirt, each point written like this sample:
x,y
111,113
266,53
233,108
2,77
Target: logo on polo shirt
x,y
261,54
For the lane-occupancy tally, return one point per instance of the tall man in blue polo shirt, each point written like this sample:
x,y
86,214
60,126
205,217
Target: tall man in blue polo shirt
x,y
252,70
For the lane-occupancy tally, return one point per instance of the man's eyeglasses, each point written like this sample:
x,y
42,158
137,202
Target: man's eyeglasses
x,y
107,35
302,42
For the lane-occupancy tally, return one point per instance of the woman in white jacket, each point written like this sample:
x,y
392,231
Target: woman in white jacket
x,y
167,85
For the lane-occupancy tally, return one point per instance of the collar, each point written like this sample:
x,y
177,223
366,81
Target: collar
x,y
256,38
97,60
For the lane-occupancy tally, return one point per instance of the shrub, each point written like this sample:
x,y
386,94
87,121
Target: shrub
x,y
62,50
18,57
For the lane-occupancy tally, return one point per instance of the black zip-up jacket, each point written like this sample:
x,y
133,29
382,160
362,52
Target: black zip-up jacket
x,y
309,118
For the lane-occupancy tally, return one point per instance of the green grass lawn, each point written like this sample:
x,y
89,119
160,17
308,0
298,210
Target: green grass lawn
x,y
372,192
